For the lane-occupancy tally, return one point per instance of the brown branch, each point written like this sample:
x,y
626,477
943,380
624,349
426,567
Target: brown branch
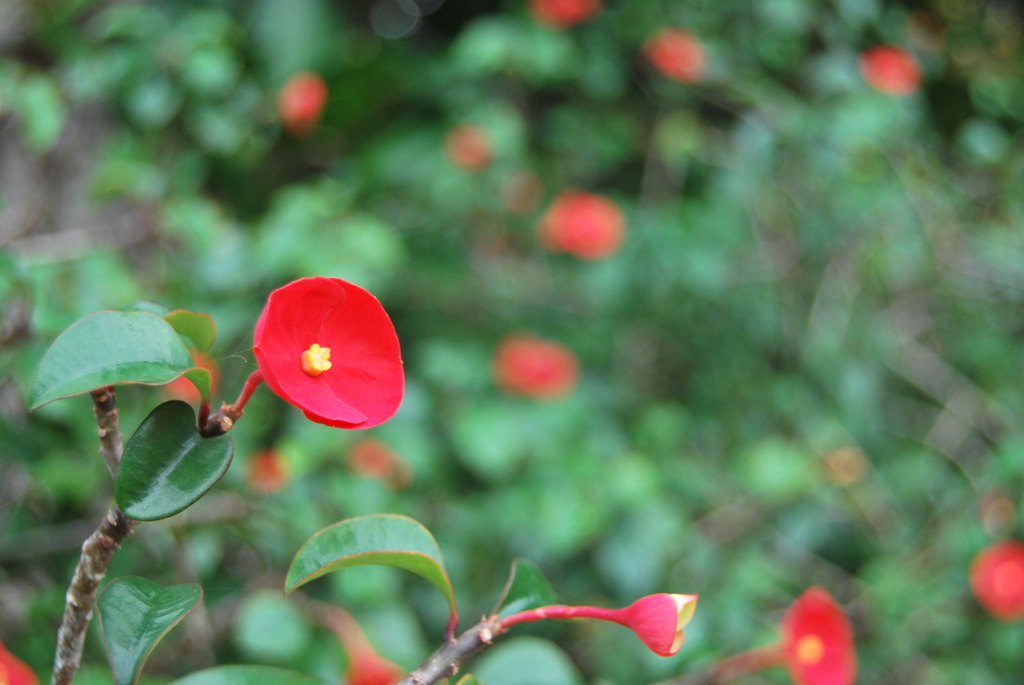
x,y
445,662
97,551
104,404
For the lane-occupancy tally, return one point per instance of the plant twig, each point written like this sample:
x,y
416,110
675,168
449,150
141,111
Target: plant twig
x,y
445,662
97,551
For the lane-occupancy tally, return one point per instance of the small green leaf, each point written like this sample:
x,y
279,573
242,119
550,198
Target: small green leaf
x,y
202,379
527,661
147,306
380,539
107,348
248,675
197,329
134,614
527,588
167,465
469,679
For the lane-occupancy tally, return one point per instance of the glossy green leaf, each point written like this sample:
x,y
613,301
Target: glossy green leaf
x,y
527,588
248,675
107,348
202,379
167,465
198,329
134,614
380,539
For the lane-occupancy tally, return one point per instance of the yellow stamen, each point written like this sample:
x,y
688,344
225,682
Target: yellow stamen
x,y
315,360
1009,579
810,650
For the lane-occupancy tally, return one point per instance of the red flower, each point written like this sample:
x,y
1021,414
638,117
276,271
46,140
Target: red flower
x,y
268,472
182,388
817,641
14,671
677,54
658,620
328,347
365,666
300,102
561,14
526,365
468,147
997,579
373,459
585,225
890,70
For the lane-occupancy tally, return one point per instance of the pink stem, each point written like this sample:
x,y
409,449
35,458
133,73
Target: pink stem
x,y
449,628
561,611
251,383
204,414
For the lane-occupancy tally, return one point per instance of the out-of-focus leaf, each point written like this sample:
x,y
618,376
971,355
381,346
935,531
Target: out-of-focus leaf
x,y
167,465
527,588
197,328
248,675
270,629
526,661
134,614
107,348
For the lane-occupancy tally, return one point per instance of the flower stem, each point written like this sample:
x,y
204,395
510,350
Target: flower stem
x,y
224,420
561,611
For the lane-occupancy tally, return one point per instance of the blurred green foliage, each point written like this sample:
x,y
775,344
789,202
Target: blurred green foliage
x,y
802,368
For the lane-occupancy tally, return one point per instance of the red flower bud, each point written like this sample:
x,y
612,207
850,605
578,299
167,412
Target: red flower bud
x,y
585,225
182,388
268,472
328,347
529,366
468,147
997,579
890,70
658,620
817,641
14,671
561,14
365,666
300,103
677,54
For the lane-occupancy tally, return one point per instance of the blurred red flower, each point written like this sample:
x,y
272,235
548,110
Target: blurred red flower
x,y
365,666
300,103
14,671
268,472
561,14
529,366
307,321
997,579
182,388
677,54
373,459
890,70
817,641
585,225
468,147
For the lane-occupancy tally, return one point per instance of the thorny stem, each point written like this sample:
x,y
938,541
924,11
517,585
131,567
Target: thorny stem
x,y
224,419
445,662
97,551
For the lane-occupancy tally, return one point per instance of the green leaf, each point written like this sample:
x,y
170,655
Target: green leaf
x,y
202,379
527,661
167,465
134,614
147,306
380,539
248,675
197,328
469,679
107,348
527,588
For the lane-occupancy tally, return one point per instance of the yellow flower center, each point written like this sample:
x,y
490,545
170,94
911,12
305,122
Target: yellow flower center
x,y
315,360
1009,579
810,650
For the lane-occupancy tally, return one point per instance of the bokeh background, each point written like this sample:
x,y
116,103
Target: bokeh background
x,y
802,367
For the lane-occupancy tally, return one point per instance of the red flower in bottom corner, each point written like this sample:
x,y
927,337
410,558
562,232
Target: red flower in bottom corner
x,y
997,579
365,666
14,671
300,103
890,70
532,367
583,224
328,347
677,54
817,641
